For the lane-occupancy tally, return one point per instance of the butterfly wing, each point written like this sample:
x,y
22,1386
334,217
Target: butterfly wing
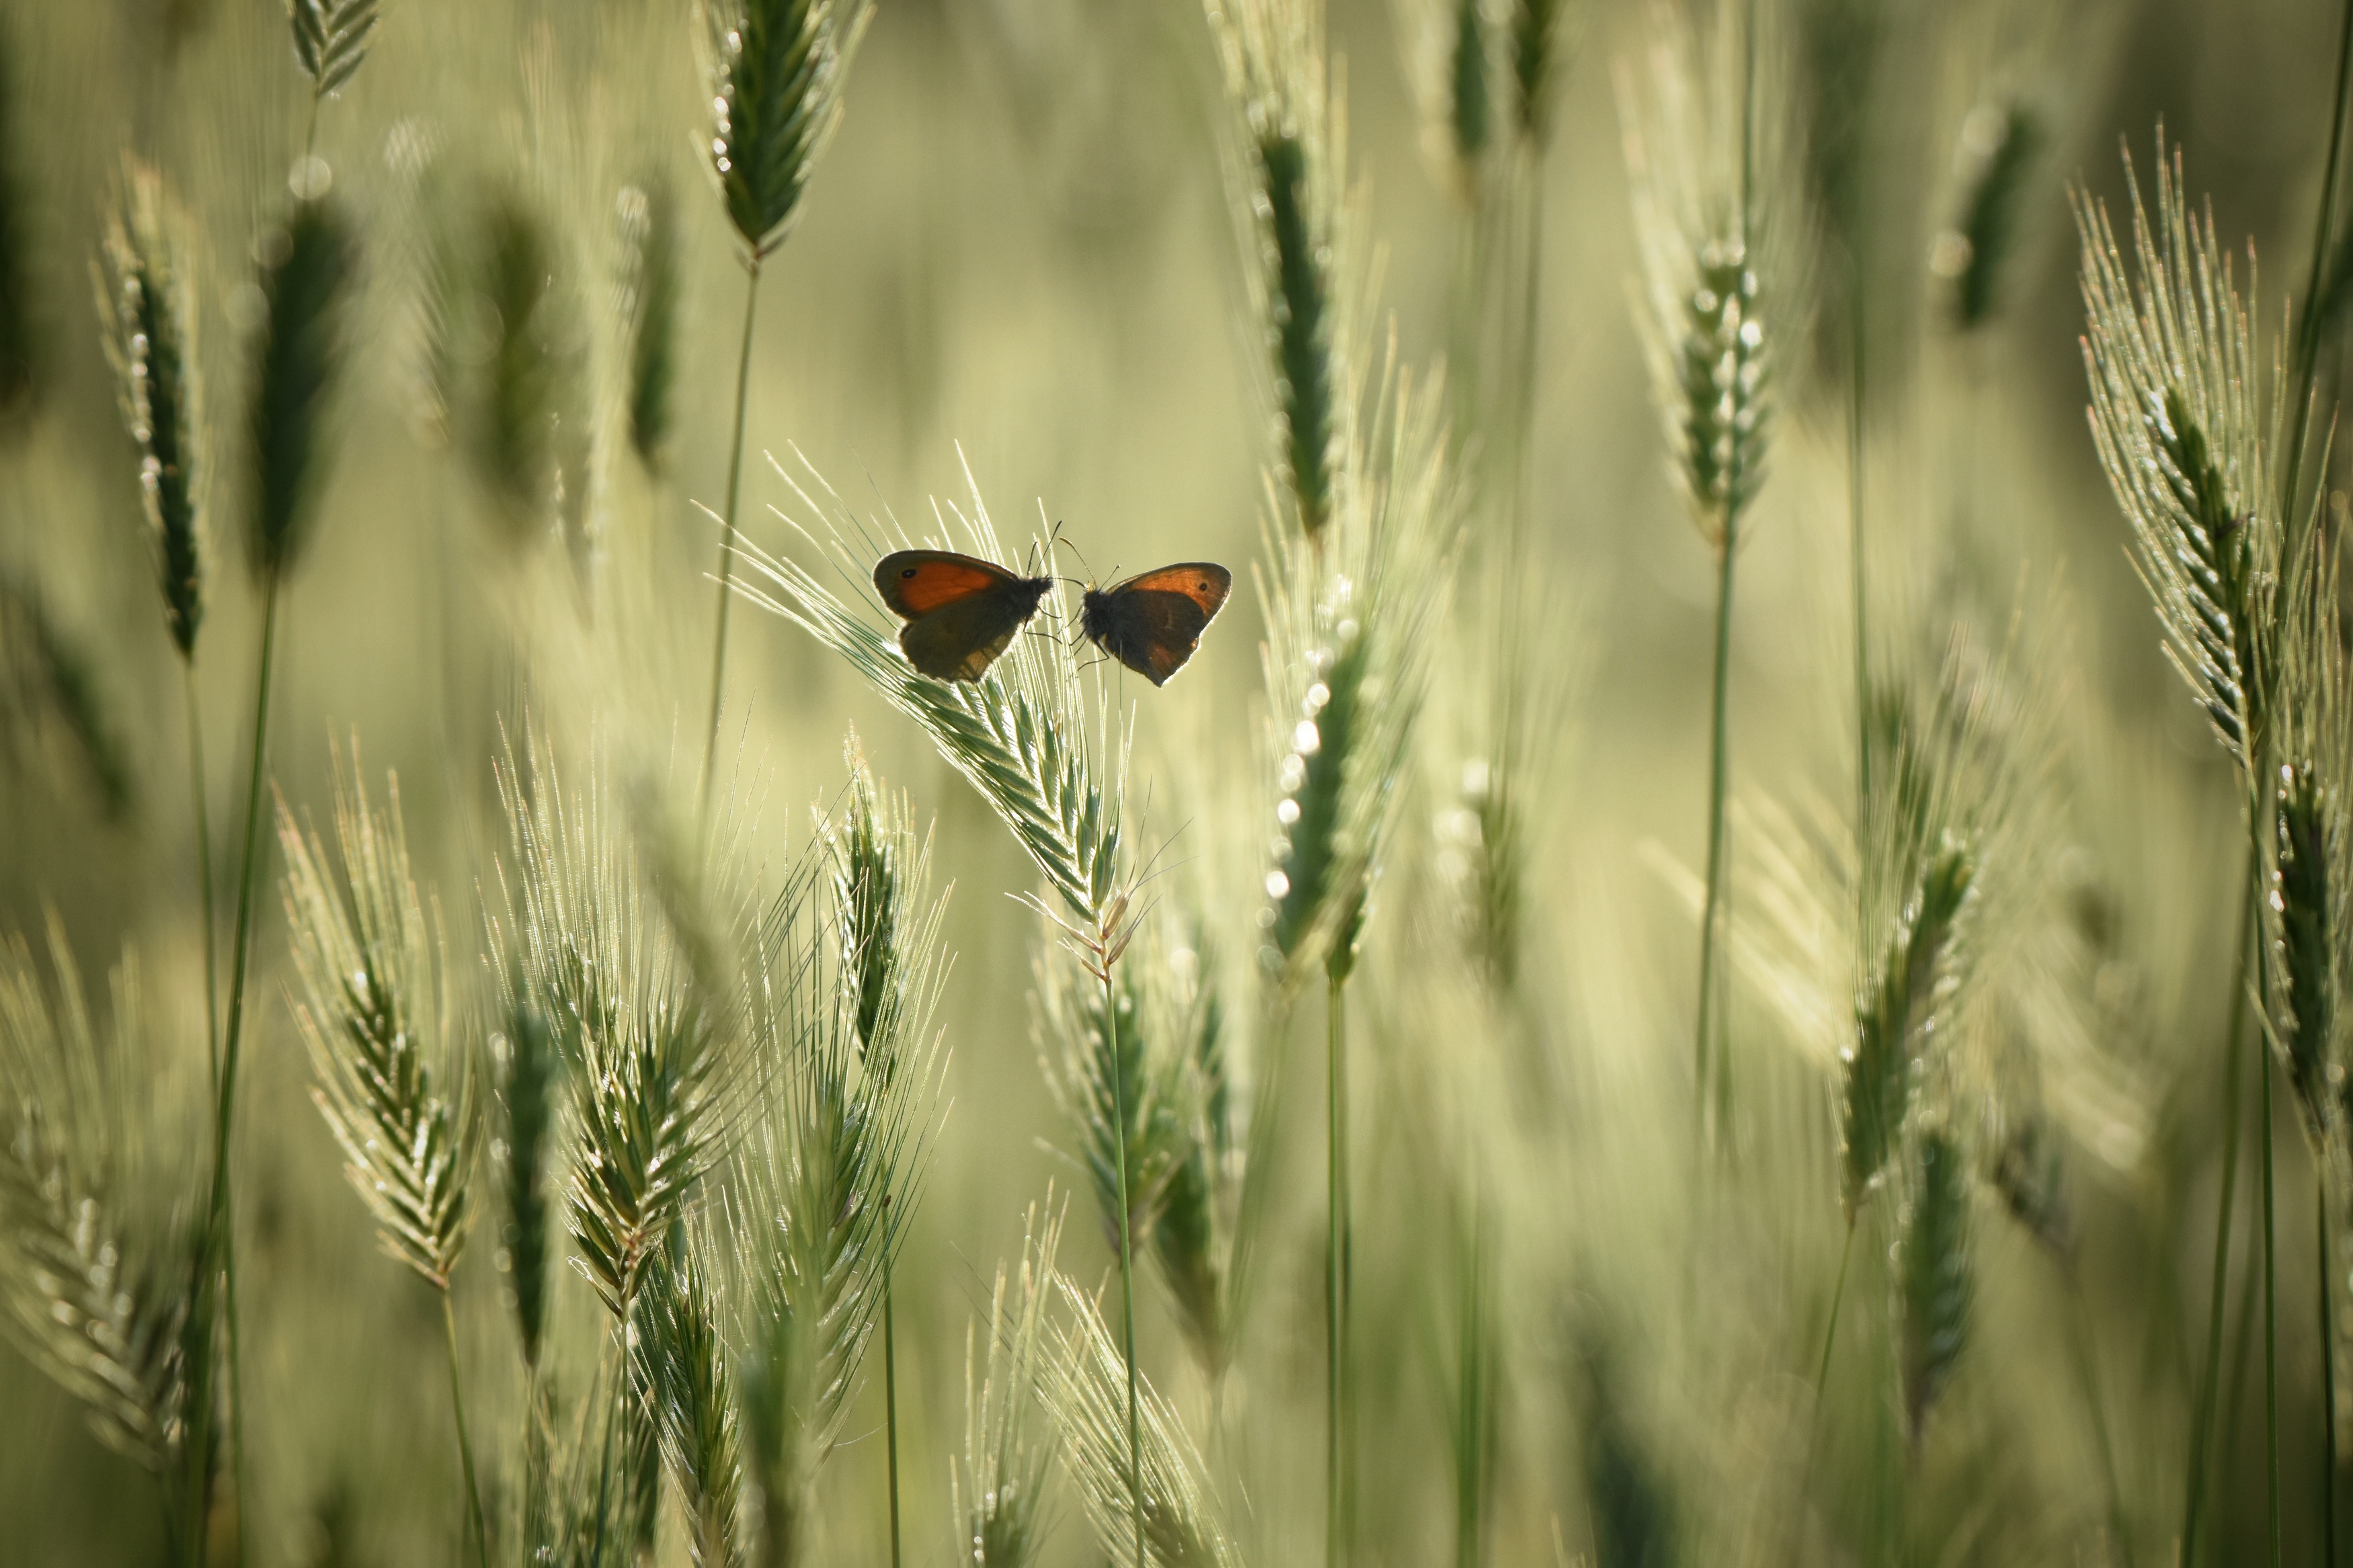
x,y
1153,623
916,581
961,611
961,638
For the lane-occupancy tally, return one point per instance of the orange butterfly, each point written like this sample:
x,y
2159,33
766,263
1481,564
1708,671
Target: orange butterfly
x,y
961,611
1153,623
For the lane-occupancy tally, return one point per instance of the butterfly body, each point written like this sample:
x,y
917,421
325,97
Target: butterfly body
x,y
1153,623
961,612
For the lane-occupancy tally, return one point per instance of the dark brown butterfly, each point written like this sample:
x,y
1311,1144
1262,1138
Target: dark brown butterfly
x,y
961,611
1152,624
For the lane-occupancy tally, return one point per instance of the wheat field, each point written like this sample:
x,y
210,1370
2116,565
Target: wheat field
x,y
1728,952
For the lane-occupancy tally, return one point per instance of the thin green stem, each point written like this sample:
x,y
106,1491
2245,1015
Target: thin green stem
x,y
2327,1369
2243,1350
727,531
218,1248
1822,1394
2308,332
1338,1459
1464,307
1856,561
2087,1364
617,1351
1126,1262
465,1444
1524,413
2271,1322
2202,1412
236,1385
203,867
1830,1329
890,1406
1718,773
1471,1396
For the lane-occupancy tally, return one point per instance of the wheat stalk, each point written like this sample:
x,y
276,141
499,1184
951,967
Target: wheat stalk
x,y
1709,330
818,1197
147,301
374,1013
308,271
996,1488
888,932
776,71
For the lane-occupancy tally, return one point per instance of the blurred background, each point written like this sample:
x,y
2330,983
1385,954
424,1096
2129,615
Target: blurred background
x,y
1020,258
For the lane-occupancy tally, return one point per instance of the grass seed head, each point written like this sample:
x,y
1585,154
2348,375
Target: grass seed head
x,y
823,1184
1084,1056
331,40
49,679
1537,43
1934,1276
147,301
1292,179
1194,1238
1086,1394
2309,951
2001,151
645,1021
997,1487
2186,422
874,855
1707,278
309,272
1351,623
519,421
1841,44
778,68
528,1075
385,1041
97,1245
682,1364
1900,1014
1299,293
650,298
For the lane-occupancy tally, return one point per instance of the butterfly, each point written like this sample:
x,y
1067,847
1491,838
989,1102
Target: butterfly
x,y
961,611
1153,623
